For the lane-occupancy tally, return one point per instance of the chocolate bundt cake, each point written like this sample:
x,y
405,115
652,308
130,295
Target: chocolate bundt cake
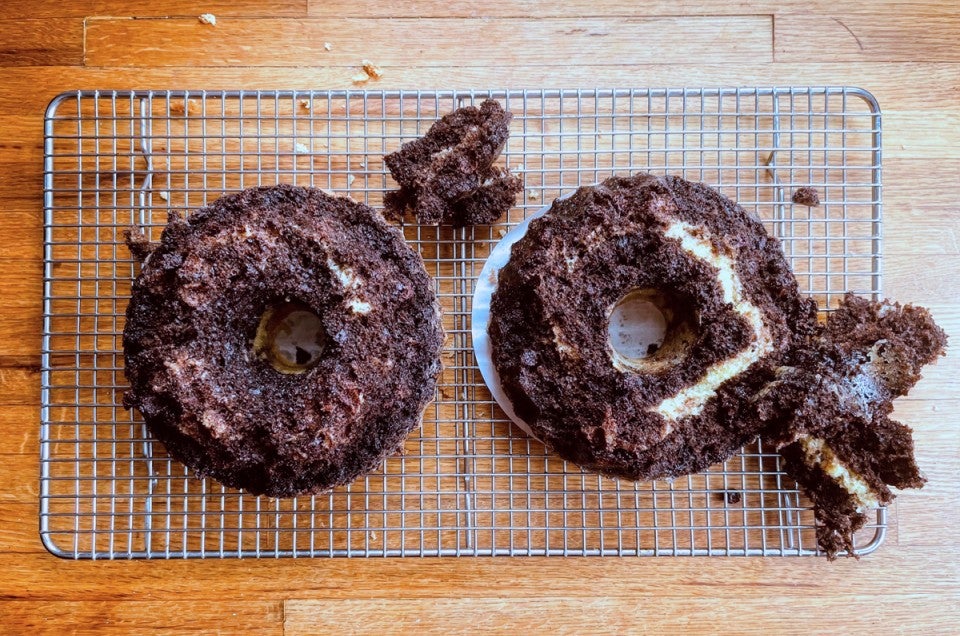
x,y
830,406
447,176
731,307
281,340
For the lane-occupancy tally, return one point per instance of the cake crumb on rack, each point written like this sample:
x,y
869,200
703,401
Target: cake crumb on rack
x,y
533,195
806,196
164,196
207,18
301,148
305,104
184,107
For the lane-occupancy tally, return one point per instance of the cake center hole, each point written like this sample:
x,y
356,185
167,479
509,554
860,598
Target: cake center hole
x,y
637,325
290,337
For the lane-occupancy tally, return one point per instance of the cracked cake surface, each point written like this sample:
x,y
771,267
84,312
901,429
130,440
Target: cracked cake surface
x,y
733,311
447,176
206,389
746,355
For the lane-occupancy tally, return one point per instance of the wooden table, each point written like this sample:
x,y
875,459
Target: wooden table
x,y
907,54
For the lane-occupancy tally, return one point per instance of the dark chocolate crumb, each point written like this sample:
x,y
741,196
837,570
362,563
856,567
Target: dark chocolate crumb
x,y
733,497
806,196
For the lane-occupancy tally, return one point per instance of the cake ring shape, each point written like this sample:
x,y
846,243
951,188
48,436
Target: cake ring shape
x,y
731,306
209,327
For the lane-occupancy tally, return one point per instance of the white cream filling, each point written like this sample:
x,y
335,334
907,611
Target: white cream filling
x,y
345,275
817,452
691,400
360,307
349,280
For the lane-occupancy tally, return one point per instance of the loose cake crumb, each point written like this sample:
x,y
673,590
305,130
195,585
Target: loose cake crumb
x,y
806,196
301,148
327,46
350,179
371,69
164,196
184,107
733,497
532,195
305,104
360,78
207,18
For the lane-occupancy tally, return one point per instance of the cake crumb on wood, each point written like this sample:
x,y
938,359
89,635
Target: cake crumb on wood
x,y
207,18
371,69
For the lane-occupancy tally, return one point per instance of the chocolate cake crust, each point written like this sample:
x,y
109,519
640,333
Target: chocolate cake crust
x,y
731,295
223,410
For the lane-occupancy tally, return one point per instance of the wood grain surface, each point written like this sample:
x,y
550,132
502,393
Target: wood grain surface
x,y
905,53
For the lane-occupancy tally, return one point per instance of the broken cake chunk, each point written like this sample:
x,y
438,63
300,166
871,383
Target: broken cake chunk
x,y
830,412
448,176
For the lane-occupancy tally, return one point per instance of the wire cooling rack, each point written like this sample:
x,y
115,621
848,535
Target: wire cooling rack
x,y
468,482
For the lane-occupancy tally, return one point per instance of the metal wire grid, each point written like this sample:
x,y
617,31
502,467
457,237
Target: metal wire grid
x,y
468,483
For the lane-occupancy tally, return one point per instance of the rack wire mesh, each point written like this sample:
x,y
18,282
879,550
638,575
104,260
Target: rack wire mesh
x,y
468,482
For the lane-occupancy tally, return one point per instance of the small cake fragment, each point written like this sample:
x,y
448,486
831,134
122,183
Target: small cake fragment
x,y
448,176
371,69
830,412
207,18
139,245
806,196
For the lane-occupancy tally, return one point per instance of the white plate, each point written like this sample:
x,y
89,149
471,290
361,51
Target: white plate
x,y
480,316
